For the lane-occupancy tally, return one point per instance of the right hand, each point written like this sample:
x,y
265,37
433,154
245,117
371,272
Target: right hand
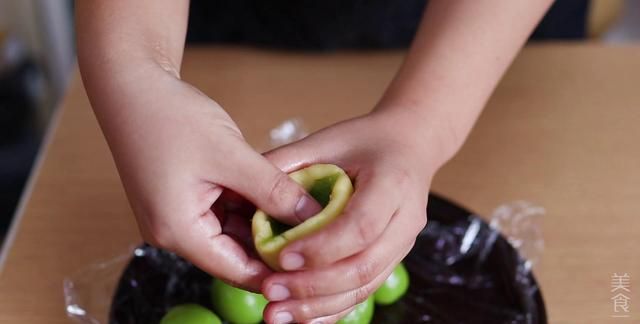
x,y
177,151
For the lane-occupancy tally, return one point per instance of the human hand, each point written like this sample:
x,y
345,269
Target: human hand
x,y
178,154
340,266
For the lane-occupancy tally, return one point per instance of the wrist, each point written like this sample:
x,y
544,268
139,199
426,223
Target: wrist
x,y
431,134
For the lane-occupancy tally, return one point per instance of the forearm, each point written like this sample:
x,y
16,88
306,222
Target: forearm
x,y
129,54
459,54
122,43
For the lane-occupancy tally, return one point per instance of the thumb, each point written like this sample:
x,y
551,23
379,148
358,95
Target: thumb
x,y
270,189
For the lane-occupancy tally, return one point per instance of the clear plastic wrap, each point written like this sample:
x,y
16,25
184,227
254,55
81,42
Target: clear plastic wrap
x,y
88,292
462,269
288,131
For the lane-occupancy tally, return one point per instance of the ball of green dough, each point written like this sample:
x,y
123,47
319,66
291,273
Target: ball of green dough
x,y
236,305
394,287
190,314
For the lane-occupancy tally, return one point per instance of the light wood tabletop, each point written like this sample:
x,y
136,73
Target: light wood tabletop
x,y
561,131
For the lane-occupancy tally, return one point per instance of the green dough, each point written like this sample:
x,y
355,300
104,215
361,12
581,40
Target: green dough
x,y
190,314
329,185
236,305
394,287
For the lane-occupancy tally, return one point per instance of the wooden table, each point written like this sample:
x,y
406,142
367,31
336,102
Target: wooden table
x,y
561,131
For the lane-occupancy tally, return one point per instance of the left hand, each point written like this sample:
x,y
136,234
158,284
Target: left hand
x,y
341,265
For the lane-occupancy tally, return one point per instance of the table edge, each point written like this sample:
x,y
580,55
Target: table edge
x,y
30,184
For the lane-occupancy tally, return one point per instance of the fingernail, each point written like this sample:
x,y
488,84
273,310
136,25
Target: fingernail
x,y
277,292
307,207
292,261
283,318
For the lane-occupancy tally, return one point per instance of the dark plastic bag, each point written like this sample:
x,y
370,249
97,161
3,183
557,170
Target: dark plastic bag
x,y
461,271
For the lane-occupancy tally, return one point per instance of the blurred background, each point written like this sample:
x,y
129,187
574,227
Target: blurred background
x,y
37,59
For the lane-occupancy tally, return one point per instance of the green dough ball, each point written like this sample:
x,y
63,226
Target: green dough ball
x,y
236,305
394,287
362,314
190,314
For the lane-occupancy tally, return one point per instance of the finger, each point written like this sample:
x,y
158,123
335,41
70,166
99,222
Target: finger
x,y
332,318
350,273
296,155
308,309
314,148
255,178
202,243
372,205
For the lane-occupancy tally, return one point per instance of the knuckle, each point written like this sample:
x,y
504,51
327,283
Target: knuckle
x,y
307,289
279,190
365,272
366,231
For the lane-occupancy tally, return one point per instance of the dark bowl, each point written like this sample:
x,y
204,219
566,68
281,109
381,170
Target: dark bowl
x,y
461,271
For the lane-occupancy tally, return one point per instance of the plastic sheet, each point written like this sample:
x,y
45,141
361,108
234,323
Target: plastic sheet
x,y
288,131
462,270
